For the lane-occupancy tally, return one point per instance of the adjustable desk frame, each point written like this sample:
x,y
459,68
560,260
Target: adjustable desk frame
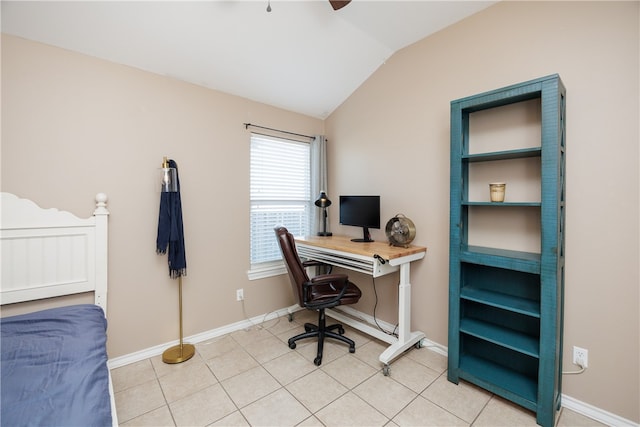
x,y
366,258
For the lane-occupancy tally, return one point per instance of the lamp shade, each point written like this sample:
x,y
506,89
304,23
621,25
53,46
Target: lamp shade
x,y
323,201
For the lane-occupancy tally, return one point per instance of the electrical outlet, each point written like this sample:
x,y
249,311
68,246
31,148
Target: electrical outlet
x,y
580,357
239,294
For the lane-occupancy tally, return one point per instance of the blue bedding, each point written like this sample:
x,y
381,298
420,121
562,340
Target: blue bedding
x,y
54,368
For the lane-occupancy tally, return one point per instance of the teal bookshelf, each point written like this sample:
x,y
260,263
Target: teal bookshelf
x,y
506,305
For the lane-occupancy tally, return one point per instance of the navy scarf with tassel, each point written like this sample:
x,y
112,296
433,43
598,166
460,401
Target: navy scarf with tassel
x,y
170,231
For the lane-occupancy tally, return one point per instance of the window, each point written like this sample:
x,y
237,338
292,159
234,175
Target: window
x,y
280,195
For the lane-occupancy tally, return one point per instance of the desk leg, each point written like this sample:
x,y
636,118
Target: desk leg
x,y
406,338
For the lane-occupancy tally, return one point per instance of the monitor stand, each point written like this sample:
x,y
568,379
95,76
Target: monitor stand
x,y
366,236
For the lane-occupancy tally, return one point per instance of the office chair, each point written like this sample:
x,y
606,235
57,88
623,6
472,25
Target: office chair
x,y
318,293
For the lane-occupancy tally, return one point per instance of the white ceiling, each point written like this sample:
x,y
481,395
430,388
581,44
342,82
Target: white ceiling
x,y
302,56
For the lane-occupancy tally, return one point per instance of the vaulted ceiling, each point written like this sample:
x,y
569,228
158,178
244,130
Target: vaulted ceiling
x,y
301,56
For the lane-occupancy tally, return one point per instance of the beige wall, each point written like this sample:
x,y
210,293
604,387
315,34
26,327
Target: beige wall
x,y
73,126
97,126
391,137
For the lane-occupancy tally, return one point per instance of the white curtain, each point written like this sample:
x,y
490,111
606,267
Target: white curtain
x,y
318,180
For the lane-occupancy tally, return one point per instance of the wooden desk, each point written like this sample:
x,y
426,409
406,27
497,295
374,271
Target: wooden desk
x,y
376,259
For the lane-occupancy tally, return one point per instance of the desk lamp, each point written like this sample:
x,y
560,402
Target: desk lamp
x,y
323,203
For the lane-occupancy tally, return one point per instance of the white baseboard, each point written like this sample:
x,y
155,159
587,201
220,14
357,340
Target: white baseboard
x,y
137,356
370,320
595,413
568,402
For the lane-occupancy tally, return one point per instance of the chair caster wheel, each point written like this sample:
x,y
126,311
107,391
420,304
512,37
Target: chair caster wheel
x,y
352,349
292,345
418,344
290,316
341,330
386,370
317,361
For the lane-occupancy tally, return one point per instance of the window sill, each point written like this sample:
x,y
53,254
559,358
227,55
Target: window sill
x,y
267,269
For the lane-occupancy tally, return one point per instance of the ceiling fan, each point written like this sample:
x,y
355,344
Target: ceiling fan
x,y
336,4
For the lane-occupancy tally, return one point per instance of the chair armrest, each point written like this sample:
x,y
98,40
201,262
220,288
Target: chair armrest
x,y
314,263
325,279
338,280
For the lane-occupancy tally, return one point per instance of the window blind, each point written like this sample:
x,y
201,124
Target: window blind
x,y
280,193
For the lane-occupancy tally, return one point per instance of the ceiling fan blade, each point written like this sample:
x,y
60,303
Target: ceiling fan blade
x,y
336,4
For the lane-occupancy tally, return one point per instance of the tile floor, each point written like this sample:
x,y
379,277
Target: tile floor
x,y
251,377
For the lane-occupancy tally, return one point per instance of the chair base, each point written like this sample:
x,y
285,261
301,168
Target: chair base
x,y
321,331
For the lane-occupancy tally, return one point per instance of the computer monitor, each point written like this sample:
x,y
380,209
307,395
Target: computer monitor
x,y
360,211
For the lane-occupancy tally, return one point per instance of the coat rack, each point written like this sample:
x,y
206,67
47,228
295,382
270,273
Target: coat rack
x,y
170,218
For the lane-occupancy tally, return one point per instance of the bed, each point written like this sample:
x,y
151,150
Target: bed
x,y
54,362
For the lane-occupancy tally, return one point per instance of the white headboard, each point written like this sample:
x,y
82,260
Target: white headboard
x,y
47,252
